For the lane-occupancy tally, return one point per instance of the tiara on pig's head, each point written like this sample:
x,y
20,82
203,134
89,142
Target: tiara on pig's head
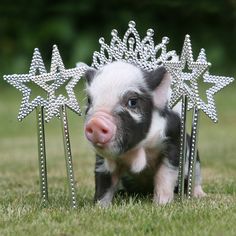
x,y
143,53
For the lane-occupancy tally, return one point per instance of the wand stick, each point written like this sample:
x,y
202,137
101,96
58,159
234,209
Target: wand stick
x,y
193,152
182,155
42,155
68,155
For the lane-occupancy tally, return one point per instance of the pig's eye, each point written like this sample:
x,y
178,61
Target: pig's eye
x,y
132,103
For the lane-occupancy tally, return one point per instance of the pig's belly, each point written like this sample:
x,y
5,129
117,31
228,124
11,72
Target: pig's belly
x,y
140,183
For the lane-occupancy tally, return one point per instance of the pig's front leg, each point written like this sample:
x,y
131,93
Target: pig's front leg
x,y
165,181
105,183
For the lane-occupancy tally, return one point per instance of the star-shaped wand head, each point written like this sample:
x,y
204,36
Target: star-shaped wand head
x,y
219,82
185,83
61,76
19,81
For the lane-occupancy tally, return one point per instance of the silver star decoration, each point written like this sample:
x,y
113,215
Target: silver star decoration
x,y
58,75
219,82
19,80
179,77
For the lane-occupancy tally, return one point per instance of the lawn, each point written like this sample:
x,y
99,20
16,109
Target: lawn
x,y
22,214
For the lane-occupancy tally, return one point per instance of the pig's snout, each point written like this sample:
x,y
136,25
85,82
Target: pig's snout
x,y
100,129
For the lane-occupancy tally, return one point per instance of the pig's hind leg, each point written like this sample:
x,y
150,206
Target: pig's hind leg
x,y
198,191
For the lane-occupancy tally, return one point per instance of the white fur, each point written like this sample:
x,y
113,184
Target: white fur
x,y
177,108
135,116
134,159
81,64
139,162
106,200
198,191
101,168
111,82
198,178
165,181
156,133
162,93
110,165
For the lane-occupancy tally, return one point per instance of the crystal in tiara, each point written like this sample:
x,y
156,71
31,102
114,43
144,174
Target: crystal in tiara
x,y
143,53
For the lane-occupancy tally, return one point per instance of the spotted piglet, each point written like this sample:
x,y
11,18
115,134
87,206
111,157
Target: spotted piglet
x,y
134,134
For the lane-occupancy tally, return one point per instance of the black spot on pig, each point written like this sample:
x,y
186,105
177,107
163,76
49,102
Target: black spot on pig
x,y
131,130
154,78
102,179
172,134
90,74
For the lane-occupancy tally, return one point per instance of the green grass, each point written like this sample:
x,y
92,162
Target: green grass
x,y
21,212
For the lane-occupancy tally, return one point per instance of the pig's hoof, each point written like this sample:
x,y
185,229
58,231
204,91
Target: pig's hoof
x,y
103,204
162,199
198,192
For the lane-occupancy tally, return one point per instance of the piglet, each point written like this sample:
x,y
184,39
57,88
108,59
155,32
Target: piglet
x,y
133,132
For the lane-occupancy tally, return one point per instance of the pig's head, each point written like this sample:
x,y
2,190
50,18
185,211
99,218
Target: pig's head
x,y
121,101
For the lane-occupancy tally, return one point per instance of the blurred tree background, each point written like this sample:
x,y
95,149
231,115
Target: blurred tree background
x,y
75,26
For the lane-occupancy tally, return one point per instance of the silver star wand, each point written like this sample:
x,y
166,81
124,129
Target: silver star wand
x,y
48,108
190,98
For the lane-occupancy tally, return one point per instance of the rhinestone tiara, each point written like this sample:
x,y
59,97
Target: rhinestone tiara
x,y
143,53
148,56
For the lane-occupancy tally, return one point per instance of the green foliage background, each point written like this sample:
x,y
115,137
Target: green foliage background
x,y
75,26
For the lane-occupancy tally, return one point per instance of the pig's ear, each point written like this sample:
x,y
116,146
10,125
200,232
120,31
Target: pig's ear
x,y
159,82
89,73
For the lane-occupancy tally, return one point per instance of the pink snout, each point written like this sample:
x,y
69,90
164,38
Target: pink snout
x,y
100,129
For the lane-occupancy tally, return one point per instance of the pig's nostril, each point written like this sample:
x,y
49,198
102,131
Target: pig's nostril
x,y
104,131
99,130
89,130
